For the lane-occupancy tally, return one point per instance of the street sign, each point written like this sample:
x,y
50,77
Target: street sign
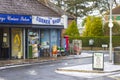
x,y
98,61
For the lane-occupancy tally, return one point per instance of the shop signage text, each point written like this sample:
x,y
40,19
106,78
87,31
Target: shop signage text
x,y
46,20
15,19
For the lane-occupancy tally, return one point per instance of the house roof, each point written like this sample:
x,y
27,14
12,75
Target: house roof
x,y
32,7
26,7
56,8
115,11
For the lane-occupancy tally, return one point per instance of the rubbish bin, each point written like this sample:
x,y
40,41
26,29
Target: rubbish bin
x,y
117,55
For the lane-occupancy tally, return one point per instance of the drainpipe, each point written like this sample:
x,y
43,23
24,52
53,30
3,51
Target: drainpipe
x,y
24,43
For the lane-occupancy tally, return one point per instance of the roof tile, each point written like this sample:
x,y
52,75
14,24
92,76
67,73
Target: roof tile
x,y
26,7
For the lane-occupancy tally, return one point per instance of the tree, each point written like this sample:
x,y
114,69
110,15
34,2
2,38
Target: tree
x,y
115,29
78,8
93,26
59,3
72,30
101,5
81,8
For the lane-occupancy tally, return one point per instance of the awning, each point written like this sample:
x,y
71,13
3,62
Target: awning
x,y
14,26
31,26
48,26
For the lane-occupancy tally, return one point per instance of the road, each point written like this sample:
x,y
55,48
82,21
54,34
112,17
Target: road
x,y
46,71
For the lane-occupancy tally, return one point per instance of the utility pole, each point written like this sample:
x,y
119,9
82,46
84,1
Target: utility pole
x,y
110,26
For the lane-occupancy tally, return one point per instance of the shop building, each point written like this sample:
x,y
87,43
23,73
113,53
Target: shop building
x,y
28,29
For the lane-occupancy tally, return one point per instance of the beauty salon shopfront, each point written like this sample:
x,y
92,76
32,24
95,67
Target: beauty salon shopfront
x,y
12,35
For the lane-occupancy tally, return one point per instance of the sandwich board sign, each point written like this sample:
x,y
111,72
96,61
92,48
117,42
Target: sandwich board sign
x,y
98,61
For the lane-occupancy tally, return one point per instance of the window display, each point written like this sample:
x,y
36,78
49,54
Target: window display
x,y
33,42
45,44
17,51
53,37
45,38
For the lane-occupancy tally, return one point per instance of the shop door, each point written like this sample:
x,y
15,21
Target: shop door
x,y
17,43
4,46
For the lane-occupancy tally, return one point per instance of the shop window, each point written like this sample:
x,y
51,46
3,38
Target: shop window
x,y
17,51
33,43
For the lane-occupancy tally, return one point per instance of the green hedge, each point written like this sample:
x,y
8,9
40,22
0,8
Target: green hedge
x,y
98,41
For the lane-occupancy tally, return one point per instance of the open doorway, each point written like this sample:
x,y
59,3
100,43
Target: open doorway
x,y
4,43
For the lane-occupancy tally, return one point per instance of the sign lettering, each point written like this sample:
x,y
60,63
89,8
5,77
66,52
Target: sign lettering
x,y
46,20
15,19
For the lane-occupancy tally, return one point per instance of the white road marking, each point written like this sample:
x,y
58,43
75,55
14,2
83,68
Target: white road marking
x,y
32,72
2,78
116,76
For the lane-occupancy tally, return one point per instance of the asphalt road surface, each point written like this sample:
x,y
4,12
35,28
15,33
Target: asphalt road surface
x,y
46,71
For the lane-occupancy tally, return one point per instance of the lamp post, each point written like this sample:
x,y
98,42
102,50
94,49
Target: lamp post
x,y
110,26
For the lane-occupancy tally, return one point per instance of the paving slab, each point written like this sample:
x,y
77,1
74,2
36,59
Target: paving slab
x,y
86,70
108,68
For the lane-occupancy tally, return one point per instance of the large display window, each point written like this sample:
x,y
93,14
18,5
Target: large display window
x,y
53,37
45,42
33,43
45,38
17,47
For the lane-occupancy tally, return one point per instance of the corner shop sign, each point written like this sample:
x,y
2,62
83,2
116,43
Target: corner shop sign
x,y
46,20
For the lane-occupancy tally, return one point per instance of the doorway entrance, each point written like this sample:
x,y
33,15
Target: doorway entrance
x,y
4,43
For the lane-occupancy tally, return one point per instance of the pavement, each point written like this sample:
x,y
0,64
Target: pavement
x,y
86,70
107,68
84,54
24,62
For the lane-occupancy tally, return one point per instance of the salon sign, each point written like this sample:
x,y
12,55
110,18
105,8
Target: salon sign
x,y
15,19
46,20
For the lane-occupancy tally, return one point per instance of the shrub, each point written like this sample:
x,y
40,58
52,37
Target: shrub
x,y
98,41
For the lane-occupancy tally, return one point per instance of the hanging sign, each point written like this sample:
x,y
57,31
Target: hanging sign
x,y
98,61
15,19
46,20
